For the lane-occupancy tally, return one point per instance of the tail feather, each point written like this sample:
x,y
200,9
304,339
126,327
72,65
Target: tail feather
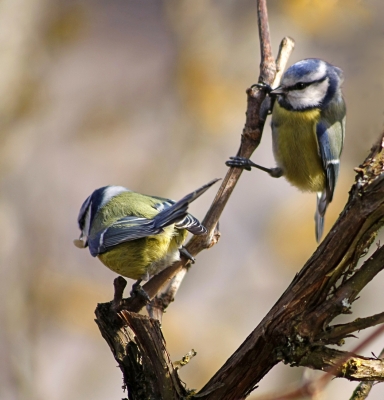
x,y
179,210
322,204
191,224
319,221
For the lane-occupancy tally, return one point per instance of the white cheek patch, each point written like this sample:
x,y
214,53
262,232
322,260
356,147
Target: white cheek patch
x,y
311,96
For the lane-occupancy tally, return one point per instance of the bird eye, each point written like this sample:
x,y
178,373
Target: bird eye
x,y
300,85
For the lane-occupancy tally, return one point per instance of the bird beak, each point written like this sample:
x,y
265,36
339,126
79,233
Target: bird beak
x,y
81,243
278,91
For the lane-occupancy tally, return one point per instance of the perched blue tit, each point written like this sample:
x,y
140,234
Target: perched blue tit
x,y
133,234
308,127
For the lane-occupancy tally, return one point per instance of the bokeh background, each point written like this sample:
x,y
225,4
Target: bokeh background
x,y
151,95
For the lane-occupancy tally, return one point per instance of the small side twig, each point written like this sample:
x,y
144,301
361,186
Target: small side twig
x,y
336,333
285,50
119,285
185,360
344,364
363,389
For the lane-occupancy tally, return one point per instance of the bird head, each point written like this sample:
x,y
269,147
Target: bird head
x,y
310,83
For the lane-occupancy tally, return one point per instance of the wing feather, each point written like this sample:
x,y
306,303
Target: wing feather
x,y
330,135
123,230
191,224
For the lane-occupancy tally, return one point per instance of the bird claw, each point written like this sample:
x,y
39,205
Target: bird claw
x,y
246,163
276,172
184,252
138,291
239,162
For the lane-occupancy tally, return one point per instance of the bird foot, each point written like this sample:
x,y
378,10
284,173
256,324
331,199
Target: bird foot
x,y
184,252
246,163
138,291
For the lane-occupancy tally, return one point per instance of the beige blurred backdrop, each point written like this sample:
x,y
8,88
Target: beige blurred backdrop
x,y
151,95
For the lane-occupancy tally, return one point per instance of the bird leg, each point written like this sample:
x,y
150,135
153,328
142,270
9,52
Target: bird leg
x,y
246,163
184,252
138,291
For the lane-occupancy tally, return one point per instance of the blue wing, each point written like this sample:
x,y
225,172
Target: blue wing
x,y
330,158
123,230
191,224
330,135
163,204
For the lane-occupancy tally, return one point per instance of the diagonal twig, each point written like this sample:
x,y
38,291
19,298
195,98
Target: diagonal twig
x,y
250,139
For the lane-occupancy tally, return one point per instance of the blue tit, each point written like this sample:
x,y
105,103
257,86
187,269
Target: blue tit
x,y
136,235
308,128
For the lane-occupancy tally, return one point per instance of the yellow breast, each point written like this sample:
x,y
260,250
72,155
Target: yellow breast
x,y
145,257
296,148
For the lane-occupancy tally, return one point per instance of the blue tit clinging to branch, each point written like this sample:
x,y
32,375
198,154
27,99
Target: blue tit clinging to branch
x,y
308,127
136,235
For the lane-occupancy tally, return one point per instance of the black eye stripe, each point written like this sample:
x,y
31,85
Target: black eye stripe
x,y
303,85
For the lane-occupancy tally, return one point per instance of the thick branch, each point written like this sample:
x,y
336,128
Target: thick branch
x,y
267,344
139,348
341,301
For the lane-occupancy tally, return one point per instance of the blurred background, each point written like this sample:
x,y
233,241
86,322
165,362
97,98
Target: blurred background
x,y
151,95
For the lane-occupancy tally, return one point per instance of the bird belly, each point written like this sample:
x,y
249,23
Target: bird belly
x,y
296,148
142,258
